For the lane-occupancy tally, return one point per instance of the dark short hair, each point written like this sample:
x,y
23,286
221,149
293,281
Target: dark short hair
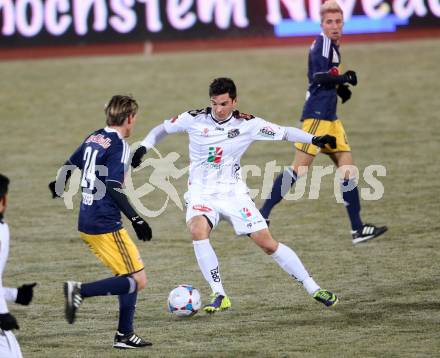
x,y
4,182
119,108
221,86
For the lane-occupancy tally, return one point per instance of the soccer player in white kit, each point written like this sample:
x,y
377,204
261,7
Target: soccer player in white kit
x,y
9,346
218,137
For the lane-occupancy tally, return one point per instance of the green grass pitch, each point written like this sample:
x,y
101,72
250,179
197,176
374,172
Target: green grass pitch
x,y
388,288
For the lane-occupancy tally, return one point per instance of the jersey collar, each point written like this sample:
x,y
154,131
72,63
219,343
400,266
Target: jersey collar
x,y
111,130
222,122
328,38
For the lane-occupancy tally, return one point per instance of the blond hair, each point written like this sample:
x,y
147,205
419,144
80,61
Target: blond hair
x,y
119,108
330,6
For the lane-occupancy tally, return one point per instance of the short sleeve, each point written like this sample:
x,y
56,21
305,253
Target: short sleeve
x,y
117,161
179,123
264,130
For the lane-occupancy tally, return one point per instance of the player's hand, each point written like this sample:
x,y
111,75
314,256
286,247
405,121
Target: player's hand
x,y
8,322
25,293
143,230
344,92
52,189
137,156
350,77
321,141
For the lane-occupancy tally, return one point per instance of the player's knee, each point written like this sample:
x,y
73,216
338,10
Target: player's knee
x,y
269,249
141,280
265,241
198,230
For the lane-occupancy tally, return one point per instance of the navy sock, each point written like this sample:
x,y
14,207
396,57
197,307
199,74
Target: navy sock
x,y
127,307
352,203
280,187
118,285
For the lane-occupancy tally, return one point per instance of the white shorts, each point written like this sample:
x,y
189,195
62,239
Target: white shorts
x,y
240,211
8,345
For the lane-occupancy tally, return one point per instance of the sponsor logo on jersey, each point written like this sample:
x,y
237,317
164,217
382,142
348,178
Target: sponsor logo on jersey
x,y
100,139
202,208
219,129
245,214
267,132
233,133
215,155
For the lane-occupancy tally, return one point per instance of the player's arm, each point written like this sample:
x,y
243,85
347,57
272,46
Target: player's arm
x,y
140,226
7,321
153,137
298,135
22,295
320,63
265,130
328,77
116,163
64,175
175,124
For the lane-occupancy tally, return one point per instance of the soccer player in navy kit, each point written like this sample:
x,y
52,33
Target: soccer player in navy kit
x,y
104,159
319,116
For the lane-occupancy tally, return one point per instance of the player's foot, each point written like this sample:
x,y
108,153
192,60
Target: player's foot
x,y
367,232
73,298
325,297
129,341
218,303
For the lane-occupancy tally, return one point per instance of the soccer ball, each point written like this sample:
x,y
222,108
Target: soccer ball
x,y
184,301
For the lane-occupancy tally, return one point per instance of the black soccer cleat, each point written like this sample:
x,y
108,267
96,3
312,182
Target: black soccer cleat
x,y
129,341
73,298
367,232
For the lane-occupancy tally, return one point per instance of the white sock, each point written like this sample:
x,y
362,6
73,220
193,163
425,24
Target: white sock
x,y
208,264
290,262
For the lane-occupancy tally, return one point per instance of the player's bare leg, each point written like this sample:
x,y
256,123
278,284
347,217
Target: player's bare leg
x,y
360,231
302,162
208,263
289,261
141,279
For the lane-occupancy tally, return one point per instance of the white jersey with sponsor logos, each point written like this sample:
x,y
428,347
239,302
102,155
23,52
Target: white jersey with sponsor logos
x,y
215,148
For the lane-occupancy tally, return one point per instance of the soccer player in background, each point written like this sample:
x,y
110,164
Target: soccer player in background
x,y
218,136
104,159
319,116
23,295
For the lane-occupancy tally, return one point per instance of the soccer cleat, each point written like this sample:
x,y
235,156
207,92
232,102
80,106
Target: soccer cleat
x,y
73,299
129,341
325,297
218,303
367,232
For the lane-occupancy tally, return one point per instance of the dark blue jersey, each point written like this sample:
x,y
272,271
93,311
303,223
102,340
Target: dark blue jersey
x,y
102,157
321,100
